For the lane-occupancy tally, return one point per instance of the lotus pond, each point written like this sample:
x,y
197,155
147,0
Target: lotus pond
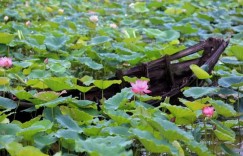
x,y
53,52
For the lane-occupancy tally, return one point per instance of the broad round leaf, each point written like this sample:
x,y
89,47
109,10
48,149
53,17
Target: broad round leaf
x,y
4,81
197,92
232,81
7,103
99,40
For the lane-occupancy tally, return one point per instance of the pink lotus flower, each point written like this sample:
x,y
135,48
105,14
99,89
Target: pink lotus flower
x,y
113,25
208,111
5,62
28,23
140,87
46,61
93,18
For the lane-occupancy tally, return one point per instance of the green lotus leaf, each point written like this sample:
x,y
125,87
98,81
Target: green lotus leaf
x,y
67,122
140,7
237,51
103,84
44,140
153,144
4,81
104,146
232,81
7,103
67,134
6,38
76,114
117,130
30,150
199,72
90,63
197,92
100,40
222,132
223,108
60,83
47,96
183,115
56,43
115,101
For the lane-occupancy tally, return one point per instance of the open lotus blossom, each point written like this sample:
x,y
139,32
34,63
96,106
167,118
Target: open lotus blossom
x,y
140,87
93,18
5,62
208,111
113,25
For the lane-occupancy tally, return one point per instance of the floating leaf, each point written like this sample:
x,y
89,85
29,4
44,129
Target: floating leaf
x,y
103,84
199,72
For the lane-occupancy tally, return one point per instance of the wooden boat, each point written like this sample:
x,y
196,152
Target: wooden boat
x,y
168,75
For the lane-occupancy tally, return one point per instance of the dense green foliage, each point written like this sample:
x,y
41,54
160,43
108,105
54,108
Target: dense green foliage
x,y
54,44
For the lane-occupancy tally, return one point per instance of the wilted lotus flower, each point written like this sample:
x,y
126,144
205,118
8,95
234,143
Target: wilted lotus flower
x,y
5,18
28,23
113,25
140,87
5,62
94,18
208,111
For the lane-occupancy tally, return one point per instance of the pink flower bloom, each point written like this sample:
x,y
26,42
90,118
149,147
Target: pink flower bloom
x,y
5,62
208,111
113,25
46,61
140,87
28,23
93,18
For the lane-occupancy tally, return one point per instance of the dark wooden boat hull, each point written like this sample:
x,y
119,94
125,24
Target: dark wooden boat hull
x,y
168,78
